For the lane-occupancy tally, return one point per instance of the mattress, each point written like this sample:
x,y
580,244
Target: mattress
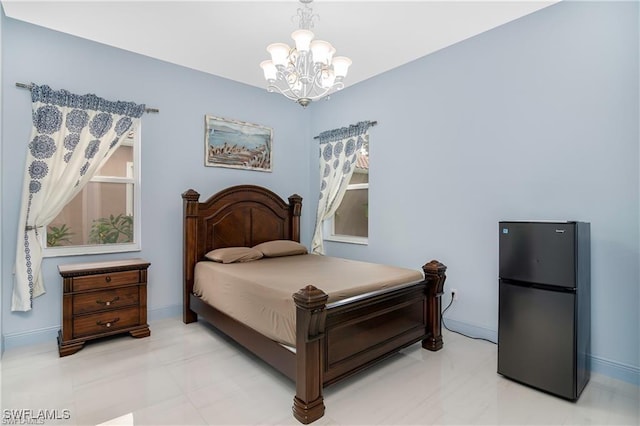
x,y
259,293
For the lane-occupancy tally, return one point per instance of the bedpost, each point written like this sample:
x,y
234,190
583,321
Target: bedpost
x,y
295,210
434,275
308,404
189,250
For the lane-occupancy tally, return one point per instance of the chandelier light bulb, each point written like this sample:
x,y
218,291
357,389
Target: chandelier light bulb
x,y
328,79
341,66
279,53
320,50
332,52
270,70
303,39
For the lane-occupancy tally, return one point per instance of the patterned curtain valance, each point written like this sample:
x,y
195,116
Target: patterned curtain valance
x,y
63,98
345,132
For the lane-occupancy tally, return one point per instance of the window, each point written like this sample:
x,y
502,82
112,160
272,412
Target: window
x,y
104,217
350,223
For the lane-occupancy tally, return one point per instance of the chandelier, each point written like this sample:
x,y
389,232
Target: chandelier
x,y
308,71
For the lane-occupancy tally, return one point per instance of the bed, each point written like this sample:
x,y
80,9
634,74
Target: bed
x,y
333,339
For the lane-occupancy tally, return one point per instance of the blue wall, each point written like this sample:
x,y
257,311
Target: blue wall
x,y
537,119
172,152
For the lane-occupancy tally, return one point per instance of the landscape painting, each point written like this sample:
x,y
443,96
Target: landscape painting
x,y
236,144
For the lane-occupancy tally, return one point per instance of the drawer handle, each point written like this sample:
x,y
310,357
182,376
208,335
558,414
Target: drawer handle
x,y
107,324
107,278
108,302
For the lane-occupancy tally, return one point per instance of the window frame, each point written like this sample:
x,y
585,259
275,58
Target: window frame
x,y
329,224
137,211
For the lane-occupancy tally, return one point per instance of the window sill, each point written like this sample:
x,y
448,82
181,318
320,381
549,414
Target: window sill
x,y
348,239
96,249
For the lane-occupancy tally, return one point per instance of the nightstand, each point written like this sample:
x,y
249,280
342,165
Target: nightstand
x,y
102,299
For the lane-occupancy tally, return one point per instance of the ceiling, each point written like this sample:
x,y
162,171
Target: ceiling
x,y
228,38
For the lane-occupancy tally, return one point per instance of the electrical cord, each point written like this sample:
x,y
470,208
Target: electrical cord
x,y
457,332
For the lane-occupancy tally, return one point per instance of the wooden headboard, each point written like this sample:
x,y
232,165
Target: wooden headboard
x,y
243,215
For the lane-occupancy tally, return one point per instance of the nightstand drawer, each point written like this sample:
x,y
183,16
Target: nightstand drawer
x,y
91,282
105,322
108,299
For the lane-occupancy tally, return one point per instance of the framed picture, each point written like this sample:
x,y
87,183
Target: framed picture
x,y
236,144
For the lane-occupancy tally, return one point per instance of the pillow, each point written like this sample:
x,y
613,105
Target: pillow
x,y
233,254
279,248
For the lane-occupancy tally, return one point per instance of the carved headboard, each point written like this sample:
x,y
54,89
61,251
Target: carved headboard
x,y
243,215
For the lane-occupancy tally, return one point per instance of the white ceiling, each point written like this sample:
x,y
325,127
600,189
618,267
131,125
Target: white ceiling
x,y
228,38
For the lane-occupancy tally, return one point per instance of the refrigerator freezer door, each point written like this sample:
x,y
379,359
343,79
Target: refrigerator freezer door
x,y
538,252
536,334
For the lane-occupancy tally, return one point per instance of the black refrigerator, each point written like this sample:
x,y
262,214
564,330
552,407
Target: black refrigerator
x,y
544,323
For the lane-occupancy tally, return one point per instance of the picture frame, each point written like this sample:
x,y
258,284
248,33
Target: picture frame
x,y
237,144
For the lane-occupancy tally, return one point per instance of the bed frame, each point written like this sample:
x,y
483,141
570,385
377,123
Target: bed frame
x,y
333,341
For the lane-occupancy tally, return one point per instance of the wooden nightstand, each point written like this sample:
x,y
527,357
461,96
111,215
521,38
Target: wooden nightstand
x,y
101,299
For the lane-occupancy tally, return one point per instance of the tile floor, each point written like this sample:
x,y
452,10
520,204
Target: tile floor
x,y
189,374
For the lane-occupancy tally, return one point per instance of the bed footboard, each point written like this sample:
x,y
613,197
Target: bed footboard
x,y
337,341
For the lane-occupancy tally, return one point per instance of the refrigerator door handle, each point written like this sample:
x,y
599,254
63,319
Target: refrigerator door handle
x,y
538,286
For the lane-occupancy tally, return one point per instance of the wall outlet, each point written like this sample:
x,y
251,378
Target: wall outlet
x,y
454,293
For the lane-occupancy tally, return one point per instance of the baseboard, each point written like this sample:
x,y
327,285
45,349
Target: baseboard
x,y
50,334
31,337
471,330
617,370
606,367
165,312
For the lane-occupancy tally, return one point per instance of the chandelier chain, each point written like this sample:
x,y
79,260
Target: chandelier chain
x,y
305,16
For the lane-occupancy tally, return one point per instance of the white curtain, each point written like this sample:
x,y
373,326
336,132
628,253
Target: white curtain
x,y
339,150
72,136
